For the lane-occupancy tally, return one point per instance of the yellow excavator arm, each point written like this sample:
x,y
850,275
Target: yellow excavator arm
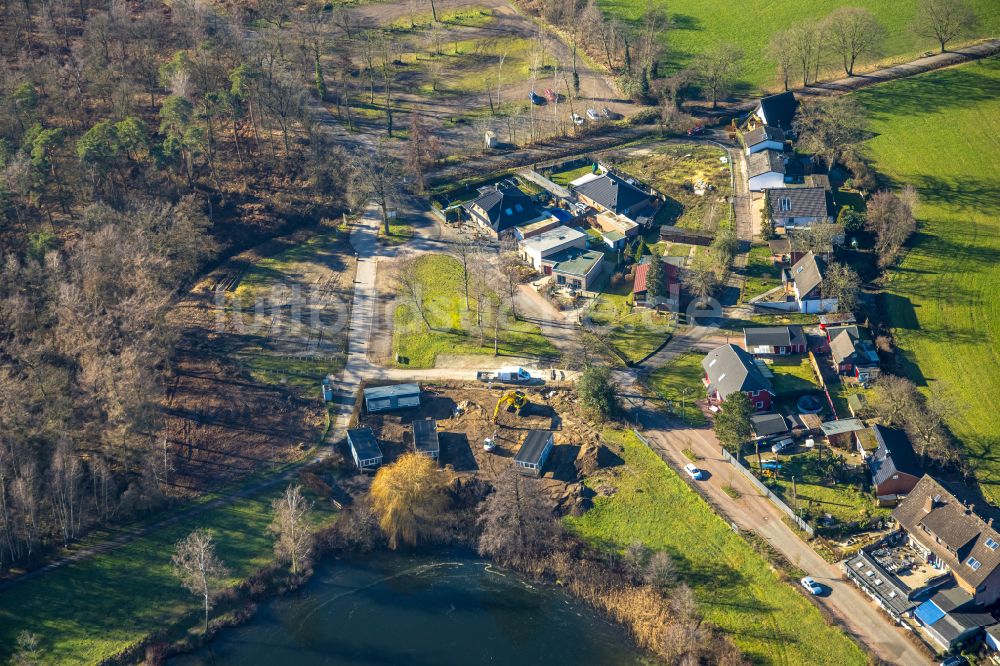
x,y
512,401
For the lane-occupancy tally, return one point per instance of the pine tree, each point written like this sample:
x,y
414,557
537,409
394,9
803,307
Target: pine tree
x,y
644,85
640,249
656,278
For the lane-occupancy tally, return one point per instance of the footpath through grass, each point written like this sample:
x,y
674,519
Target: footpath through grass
x,y
454,330
940,132
737,590
634,332
86,612
703,24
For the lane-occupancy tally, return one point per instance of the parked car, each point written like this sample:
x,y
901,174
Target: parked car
x,y
609,114
550,95
697,129
593,115
576,118
811,585
782,444
955,660
535,98
693,472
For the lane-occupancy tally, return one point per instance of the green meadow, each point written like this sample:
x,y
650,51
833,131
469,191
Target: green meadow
x,y
940,132
701,24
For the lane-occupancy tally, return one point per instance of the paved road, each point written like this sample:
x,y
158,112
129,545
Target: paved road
x,y
754,512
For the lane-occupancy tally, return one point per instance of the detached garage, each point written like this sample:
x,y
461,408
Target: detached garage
x,y
364,448
534,451
398,396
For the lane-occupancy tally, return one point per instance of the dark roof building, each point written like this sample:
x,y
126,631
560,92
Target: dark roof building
x,y
953,536
501,208
396,396
763,133
894,466
778,110
364,448
765,161
798,203
534,451
425,437
613,194
774,340
886,589
729,369
768,425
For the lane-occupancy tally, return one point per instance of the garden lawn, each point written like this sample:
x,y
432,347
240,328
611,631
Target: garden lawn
x,y
940,132
86,612
673,170
703,24
793,375
762,274
736,588
634,332
564,178
453,329
680,382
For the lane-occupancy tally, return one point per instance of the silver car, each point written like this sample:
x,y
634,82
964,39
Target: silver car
x,y
593,115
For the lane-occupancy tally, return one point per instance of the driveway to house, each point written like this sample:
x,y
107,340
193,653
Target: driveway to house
x,y
853,610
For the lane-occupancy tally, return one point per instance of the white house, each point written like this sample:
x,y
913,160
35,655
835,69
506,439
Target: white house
x,y
777,110
806,277
537,248
766,170
764,137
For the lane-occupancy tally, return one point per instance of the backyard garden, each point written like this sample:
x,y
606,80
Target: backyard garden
x,y
635,333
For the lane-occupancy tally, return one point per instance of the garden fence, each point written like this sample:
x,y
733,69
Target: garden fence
x,y
735,462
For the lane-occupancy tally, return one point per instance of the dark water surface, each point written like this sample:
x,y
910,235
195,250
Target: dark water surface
x,y
419,610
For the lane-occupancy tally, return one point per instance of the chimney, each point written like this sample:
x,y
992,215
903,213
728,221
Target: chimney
x,y
928,504
989,521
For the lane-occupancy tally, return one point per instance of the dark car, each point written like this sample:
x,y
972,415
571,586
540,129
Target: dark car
x,y
536,98
955,660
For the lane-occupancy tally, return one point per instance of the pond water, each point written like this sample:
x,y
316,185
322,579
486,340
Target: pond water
x,y
421,610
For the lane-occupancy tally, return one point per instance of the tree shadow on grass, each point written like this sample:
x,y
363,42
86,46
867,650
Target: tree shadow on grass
x,y
955,88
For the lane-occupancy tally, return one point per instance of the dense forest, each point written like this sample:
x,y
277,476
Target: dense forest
x,y
138,143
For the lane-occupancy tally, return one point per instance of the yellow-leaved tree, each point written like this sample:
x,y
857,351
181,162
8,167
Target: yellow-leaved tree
x,y
410,497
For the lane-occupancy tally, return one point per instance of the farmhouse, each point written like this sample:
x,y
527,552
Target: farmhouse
x,y
806,281
775,340
729,369
766,426
953,537
537,248
534,451
764,137
364,448
502,207
616,197
793,207
575,268
397,396
894,466
766,170
777,111
425,438
853,354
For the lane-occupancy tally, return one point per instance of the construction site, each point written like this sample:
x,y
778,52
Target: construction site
x,y
482,430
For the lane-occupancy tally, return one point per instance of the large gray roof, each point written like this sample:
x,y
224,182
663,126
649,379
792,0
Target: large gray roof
x,y
807,273
532,446
763,133
798,202
765,161
780,109
505,207
766,425
774,336
893,455
612,193
730,369
425,435
364,443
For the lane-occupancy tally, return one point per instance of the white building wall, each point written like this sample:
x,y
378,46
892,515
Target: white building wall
x,y
767,181
766,145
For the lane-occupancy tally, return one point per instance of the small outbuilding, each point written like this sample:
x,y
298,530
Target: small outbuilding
x,y
396,396
774,340
425,438
364,448
534,451
841,432
766,426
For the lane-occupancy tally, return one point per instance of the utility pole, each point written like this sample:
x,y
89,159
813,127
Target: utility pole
x,y
795,497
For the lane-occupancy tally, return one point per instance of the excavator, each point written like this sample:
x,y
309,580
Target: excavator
x,y
511,401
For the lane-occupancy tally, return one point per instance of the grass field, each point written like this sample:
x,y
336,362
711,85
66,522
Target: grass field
x,y
454,329
702,24
680,382
564,178
793,376
673,170
762,274
940,132
85,612
634,332
737,590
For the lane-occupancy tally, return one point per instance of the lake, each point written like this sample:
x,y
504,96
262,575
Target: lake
x,y
419,610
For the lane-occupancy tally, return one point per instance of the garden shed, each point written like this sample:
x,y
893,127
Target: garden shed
x,y
397,396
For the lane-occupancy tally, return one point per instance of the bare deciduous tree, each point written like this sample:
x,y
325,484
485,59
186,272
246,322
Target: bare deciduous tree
x,y
944,20
291,525
891,219
804,43
199,568
854,33
831,128
377,177
718,68
516,524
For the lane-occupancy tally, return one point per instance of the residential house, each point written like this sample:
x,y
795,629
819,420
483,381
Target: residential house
x,y
777,111
614,239
425,438
622,206
397,396
768,426
840,433
953,537
729,369
538,248
364,448
541,226
766,170
502,208
951,618
775,340
671,284
853,354
806,281
764,137
798,207
534,451
575,268
894,465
